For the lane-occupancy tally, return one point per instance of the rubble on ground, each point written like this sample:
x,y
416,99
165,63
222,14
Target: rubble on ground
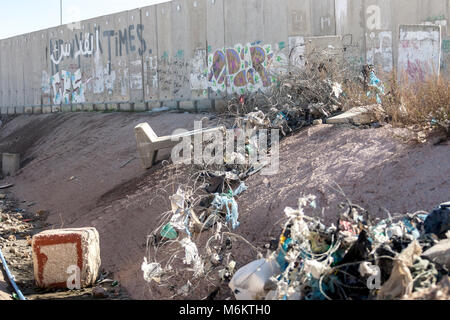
x,y
360,258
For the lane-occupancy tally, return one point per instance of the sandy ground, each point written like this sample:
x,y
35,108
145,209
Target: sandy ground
x,y
4,287
72,169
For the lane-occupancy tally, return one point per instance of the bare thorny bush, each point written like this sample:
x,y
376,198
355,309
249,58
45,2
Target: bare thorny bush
x,y
421,106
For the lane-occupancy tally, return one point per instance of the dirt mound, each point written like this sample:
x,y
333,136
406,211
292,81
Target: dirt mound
x,y
76,174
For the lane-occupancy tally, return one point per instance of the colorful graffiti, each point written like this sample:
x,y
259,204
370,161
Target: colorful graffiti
x,y
243,68
419,51
68,87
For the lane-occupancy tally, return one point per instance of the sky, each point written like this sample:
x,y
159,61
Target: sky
x,y
24,16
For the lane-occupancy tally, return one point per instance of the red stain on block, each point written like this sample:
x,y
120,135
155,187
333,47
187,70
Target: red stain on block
x,y
62,256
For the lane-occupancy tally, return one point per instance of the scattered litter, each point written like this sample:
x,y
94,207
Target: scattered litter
x,y
127,162
353,259
360,259
401,280
6,186
99,292
438,222
250,281
375,85
152,271
192,256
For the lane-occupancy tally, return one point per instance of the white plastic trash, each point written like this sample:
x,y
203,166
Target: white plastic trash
x,y
248,282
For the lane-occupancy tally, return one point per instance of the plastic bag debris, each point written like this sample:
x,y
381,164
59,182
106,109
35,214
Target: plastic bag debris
x,y
242,187
230,204
181,216
366,269
169,232
373,83
249,281
231,207
363,259
400,282
192,257
316,268
152,271
438,222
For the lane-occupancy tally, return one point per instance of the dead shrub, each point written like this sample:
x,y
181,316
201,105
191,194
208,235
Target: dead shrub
x,y
421,106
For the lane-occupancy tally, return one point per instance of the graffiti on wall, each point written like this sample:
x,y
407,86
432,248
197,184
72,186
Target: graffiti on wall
x,y
419,51
68,87
241,69
199,73
114,42
379,50
379,42
297,51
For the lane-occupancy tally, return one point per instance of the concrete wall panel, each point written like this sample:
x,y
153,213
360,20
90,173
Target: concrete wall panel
x,y
135,57
188,50
150,53
215,40
419,51
165,51
198,57
299,18
323,18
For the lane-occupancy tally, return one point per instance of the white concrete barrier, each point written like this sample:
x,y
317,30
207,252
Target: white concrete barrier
x,y
149,143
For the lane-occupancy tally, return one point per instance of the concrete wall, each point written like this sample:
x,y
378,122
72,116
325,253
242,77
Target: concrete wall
x,y
186,53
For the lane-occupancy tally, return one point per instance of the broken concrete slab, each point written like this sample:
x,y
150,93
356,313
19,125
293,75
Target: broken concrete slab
x,y
66,258
149,143
10,164
358,115
440,253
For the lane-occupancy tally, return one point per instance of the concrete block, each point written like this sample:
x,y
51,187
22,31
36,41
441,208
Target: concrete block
x,y
88,107
100,107
440,253
154,105
20,110
172,104
10,163
66,108
127,107
358,115
148,143
55,109
28,110
37,110
47,109
187,105
112,107
66,257
11,110
140,106
77,108
204,104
